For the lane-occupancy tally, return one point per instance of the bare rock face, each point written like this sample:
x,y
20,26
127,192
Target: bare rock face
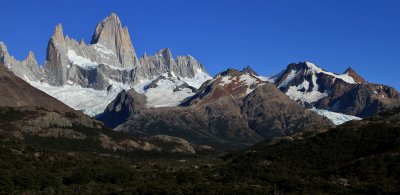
x,y
163,62
364,100
112,35
271,113
346,93
352,73
56,58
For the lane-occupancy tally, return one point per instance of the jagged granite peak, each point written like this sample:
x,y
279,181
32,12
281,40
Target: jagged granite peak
x,y
357,78
76,65
166,54
112,35
163,62
31,56
3,48
56,58
58,34
27,69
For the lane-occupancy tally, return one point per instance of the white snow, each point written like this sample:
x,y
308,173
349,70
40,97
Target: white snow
x,y
103,51
117,68
289,78
248,80
92,102
308,96
69,82
336,118
80,61
266,79
226,80
344,77
163,95
244,79
199,78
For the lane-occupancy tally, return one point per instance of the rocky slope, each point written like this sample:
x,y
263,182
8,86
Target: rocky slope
x,y
234,109
15,92
346,93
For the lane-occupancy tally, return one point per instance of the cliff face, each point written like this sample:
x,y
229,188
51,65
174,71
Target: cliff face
x,y
110,34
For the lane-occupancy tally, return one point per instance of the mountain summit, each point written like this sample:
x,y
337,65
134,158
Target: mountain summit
x,y
110,34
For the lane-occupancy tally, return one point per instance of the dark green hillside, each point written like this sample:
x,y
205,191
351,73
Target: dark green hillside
x,y
356,158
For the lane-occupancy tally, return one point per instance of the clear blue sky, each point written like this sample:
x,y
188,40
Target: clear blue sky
x,y
265,34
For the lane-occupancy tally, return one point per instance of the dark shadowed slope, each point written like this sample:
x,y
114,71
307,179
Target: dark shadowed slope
x,y
15,92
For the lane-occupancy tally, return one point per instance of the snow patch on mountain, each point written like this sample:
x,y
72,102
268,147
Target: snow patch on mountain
x,y
165,94
199,78
90,101
288,79
266,79
336,118
301,93
80,61
101,49
246,79
345,77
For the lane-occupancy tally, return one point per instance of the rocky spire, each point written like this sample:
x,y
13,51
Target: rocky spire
x,y
3,48
56,58
357,78
58,34
82,42
31,56
166,54
112,35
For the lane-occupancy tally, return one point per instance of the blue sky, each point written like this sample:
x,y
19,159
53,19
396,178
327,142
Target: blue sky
x,y
265,34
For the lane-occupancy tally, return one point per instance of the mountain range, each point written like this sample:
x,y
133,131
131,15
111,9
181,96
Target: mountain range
x,y
95,118
162,95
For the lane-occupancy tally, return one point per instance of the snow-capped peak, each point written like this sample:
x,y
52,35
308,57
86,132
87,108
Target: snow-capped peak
x,y
345,77
165,91
235,81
